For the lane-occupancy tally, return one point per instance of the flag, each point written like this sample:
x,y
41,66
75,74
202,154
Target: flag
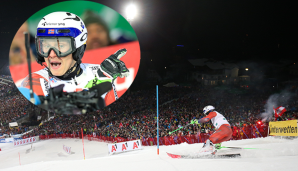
x,y
279,111
51,31
120,125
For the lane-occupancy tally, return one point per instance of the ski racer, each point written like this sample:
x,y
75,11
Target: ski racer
x,y
223,129
60,43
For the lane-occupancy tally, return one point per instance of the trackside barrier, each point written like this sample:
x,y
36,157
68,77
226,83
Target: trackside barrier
x,y
150,141
124,146
24,141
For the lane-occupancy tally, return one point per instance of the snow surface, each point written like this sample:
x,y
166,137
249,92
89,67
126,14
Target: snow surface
x,y
272,154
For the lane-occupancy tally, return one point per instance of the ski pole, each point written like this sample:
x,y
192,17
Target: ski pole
x,y
32,100
186,139
179,128
244,133
259,131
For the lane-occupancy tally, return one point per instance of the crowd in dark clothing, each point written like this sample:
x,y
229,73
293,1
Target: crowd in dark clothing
x,y
13,104
134,116
128,105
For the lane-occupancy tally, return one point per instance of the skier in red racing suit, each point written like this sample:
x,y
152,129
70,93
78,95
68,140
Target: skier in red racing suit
x,y
223,129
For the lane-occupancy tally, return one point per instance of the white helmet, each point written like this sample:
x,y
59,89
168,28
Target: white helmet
x,y
61,27
208,109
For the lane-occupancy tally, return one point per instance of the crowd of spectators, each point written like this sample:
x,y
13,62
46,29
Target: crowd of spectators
x,y
13,105
134,115
129,104
242,111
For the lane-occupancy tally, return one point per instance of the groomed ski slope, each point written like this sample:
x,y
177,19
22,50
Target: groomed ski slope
x,y
272,154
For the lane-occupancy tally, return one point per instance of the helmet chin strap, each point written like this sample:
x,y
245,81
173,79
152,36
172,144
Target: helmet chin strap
x,y
49,71
70,70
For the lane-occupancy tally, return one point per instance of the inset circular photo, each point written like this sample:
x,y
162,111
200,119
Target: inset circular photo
x,y
74,57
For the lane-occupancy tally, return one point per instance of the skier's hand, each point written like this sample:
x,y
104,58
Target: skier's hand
x,y
114,66
194,121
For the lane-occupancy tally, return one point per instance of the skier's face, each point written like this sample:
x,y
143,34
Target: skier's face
x,y
59,66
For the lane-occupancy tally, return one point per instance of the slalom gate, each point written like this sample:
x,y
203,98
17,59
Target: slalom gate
x,y
67,149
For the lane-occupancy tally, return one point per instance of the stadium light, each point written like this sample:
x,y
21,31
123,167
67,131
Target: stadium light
x,y
246,69
131,12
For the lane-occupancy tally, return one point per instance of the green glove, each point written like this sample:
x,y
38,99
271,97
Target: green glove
x,y
114,66
194,121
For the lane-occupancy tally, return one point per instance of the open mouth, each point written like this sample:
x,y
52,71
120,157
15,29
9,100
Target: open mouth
x,y
55,65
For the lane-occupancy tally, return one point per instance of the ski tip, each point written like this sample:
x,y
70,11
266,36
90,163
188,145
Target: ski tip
x,y
174,156
210,156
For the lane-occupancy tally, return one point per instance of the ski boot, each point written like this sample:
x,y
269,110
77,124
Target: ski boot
x,y
218,146
208,148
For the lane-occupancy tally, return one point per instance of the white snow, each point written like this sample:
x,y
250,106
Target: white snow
x,y
272,154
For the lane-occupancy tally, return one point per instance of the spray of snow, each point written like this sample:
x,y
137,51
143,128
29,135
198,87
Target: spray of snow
x,y
275,100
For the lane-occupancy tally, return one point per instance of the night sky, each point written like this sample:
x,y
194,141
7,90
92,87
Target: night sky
x,y
232,31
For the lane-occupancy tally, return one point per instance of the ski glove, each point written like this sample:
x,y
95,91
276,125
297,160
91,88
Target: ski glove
x,y
194,121
114,66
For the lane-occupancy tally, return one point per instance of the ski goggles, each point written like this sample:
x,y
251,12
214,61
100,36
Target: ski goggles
x,y
62,46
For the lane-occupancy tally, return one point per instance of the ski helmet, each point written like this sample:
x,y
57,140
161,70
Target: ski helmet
x,y
208,109
67,34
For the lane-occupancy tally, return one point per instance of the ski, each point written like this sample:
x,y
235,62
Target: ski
x,y
229,147
235,148
211,156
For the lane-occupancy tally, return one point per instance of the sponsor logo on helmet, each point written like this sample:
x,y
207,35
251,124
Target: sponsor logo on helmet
x,y
53,24
83,37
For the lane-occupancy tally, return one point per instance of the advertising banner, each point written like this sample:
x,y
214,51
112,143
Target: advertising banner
x,y
17,136
24,141
124,146
283,128
6,140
